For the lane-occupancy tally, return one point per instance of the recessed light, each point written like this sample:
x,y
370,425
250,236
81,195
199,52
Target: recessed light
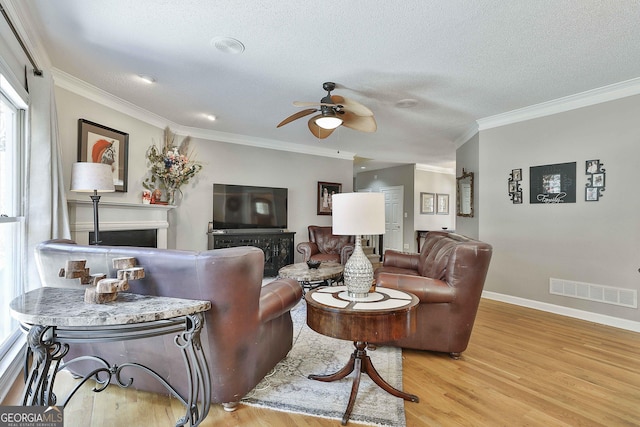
x,y
227,45
407,103
146,78
211,117
363,167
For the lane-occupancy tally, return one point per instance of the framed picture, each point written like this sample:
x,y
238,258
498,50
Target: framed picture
x,y
591,194
596,174
516,174
427,203
553,184
101,144
325,191
443,204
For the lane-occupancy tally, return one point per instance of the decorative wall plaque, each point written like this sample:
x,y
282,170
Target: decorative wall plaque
x,y
553,183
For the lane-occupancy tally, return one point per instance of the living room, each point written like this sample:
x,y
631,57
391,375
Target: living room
x,y
590,244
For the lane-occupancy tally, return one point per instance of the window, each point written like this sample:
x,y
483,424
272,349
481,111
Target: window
x,y
12,221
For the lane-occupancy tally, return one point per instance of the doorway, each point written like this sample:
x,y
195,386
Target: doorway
x,y
393,218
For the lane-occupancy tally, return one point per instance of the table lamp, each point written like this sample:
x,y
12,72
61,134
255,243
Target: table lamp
x,y
358,214
92,178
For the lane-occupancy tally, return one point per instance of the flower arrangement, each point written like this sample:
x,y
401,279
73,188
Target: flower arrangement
x,y
170,167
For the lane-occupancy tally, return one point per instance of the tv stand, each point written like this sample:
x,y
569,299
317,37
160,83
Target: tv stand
x,y
277,246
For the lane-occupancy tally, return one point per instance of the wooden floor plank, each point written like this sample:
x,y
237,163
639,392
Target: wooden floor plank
x,y
522,367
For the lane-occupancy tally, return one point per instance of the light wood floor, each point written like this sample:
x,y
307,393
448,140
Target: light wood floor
x,y
523,368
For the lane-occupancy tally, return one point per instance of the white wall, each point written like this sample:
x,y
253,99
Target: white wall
x,y
223,163
592,242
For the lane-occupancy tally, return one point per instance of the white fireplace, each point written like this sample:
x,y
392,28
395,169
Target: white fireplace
x,y
116,216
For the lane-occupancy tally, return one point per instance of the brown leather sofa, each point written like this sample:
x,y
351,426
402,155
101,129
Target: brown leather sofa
x,y
247,331
447,276
323,245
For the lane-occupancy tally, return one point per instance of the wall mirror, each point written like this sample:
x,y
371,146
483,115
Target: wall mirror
x,y
465,194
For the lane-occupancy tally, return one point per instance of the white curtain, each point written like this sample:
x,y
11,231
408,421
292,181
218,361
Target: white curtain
x,y
47,214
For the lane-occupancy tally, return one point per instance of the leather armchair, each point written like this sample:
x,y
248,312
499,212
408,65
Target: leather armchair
x,y
247,331
447,276
323,245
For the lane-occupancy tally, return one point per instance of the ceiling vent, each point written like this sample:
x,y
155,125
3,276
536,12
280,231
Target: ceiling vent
x,y
228,45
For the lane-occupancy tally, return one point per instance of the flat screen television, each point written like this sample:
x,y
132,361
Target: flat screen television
x,y
240,207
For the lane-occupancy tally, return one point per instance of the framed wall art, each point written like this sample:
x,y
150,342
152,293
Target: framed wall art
x,y
427,203
101,144
595,180
325,191
515,191
442,205
553,184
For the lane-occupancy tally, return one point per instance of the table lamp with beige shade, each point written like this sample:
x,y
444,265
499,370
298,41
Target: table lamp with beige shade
x,y
93,178
358,214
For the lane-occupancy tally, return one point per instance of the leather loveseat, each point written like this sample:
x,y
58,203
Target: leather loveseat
x,y
324,246
247,331
447,276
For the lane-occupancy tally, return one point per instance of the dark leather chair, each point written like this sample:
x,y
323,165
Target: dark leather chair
x,y
323,245
447,276
247,331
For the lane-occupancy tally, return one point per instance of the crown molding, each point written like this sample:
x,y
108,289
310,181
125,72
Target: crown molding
x,y
436,169
561,105
86,90
465,137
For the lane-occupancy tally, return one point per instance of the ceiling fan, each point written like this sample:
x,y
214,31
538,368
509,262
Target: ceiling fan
x,y
335,111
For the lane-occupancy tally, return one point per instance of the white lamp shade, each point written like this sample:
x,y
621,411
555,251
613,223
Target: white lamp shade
x,y
358,213
90,177
328,122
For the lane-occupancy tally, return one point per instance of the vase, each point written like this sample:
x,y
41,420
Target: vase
x,y
171,196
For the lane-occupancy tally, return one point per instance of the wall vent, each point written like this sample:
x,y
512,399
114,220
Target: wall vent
x,y
592,292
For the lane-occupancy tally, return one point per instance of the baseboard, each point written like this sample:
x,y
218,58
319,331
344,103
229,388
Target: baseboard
x,y
602,319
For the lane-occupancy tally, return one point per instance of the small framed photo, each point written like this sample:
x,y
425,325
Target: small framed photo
x,y
101,144
513,186
516,174
517,198
325,191
443,204
593,166
592,194
427,203
597,180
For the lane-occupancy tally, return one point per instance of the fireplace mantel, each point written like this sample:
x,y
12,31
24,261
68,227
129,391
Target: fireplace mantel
x,y
117,216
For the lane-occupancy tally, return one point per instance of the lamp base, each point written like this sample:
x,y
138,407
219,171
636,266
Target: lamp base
x,y
358,273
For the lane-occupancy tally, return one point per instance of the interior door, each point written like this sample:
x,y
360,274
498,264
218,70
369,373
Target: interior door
x,y
393,217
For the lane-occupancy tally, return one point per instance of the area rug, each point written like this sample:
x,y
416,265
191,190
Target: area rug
x,y
288,389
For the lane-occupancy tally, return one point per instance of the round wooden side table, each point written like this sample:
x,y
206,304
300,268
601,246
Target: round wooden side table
x,y
384,315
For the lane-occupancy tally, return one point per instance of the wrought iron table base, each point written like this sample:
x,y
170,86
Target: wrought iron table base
x,y
361,363
49,344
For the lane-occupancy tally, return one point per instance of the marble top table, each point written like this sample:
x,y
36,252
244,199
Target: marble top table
x,y
324,274
59,307
54,318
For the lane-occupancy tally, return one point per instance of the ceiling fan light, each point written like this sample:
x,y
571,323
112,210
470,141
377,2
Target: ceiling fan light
x,y
328,122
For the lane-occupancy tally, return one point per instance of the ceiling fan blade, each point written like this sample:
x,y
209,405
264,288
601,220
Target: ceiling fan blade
x,y
317,131
352,106
297,115
311,104
361,123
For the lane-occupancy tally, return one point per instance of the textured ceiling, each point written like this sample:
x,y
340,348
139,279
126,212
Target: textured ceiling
x,y
460,60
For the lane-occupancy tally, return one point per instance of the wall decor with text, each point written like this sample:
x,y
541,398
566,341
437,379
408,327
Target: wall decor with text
x,y
515,190
553,184
595,180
